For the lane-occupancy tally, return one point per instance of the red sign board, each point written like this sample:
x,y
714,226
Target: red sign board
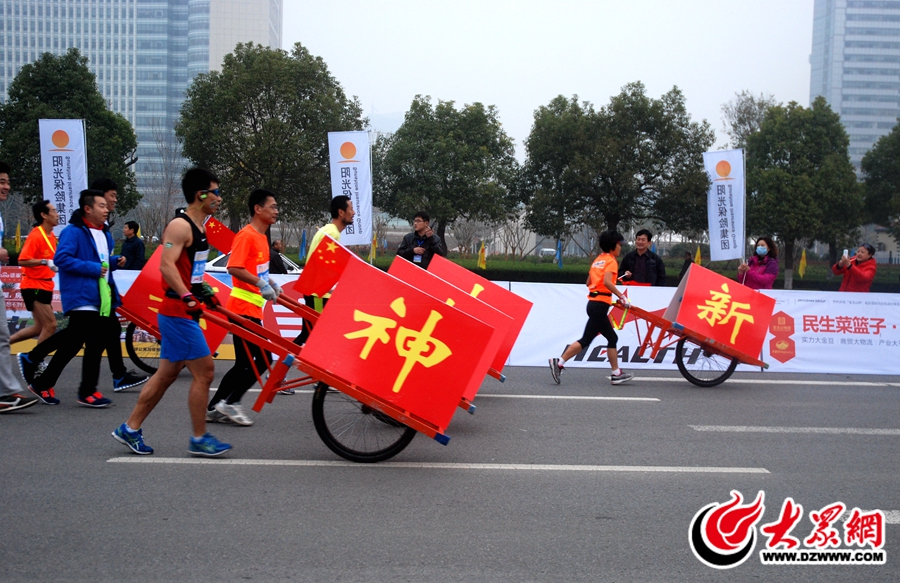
x,y
445,292
490,293
397,343
722,309
145,297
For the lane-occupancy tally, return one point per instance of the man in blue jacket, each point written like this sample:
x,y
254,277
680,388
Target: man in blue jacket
x,y
88,294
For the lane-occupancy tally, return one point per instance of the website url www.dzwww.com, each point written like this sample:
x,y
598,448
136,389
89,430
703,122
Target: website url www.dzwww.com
x,y
823,557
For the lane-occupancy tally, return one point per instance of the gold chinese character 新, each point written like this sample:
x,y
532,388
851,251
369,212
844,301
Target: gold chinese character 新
x,y
720,310
415,346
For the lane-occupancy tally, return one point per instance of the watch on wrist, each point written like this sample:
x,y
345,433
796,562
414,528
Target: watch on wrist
x,y
43,262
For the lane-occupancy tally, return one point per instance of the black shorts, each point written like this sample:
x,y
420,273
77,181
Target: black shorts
x,y
40,296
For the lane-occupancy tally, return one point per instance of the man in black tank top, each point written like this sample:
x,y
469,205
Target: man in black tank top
x,y
182,265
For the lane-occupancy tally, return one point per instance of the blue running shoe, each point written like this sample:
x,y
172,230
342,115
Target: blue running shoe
x,y
133,439
207,446
26,367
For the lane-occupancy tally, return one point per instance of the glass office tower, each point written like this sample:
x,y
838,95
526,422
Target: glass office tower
x,y
143,52
855,65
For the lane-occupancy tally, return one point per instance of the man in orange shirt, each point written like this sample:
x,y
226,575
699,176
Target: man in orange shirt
x,y
36,261
602,286
248,266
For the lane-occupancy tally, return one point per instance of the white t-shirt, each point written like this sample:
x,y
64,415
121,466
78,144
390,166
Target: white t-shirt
x,y
103,250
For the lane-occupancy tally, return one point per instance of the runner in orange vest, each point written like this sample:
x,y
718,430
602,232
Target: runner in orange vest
x,y
36,261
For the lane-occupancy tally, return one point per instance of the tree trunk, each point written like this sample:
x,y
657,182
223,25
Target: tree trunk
x,y
442,227
789,264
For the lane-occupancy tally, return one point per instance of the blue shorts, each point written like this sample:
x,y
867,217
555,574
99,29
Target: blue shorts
x,y
181,339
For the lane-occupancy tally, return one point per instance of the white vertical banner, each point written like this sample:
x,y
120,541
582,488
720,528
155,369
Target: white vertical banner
x,y
63,165
351,175
726,203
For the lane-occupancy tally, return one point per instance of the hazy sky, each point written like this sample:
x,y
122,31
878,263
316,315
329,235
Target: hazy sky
x,y
519,55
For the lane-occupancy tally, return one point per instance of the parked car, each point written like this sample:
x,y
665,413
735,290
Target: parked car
x,y
220,263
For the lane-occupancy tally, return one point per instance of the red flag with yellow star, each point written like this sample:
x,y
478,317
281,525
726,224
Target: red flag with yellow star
x,y
324,267
218,235
397,343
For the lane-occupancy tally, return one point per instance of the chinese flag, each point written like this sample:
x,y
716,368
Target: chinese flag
x,y
145,297
722,309
324,268
443,291
490,293
400,345
218,235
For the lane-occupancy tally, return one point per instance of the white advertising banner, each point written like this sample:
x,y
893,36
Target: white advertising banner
x,y
351,175
726,203
810,331
63,165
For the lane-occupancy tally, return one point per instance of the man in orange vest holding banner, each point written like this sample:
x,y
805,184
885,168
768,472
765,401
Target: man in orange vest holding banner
x,y
248,266
182,264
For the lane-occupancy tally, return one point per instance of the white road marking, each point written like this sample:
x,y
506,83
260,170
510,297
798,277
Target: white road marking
x,y
564,397
830,430
437,465
767,381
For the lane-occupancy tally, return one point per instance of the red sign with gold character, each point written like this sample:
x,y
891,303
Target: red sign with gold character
x,y
398,343
490,293
145,297
443,291
722,309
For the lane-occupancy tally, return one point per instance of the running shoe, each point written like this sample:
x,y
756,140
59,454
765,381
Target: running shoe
x,y
26,367
96,401
207,446
47,397
622,377
235,412
133,439
15,402
216,417
286,392
128,380
555,370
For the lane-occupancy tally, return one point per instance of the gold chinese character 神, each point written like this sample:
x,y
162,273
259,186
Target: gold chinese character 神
x,y
415,346
720,310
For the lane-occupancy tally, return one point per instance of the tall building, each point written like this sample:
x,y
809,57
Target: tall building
x,y
855,65
143,52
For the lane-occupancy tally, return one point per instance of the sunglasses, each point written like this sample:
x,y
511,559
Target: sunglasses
x,y
204,193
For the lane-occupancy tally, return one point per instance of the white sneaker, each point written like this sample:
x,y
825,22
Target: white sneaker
x,y
216,417
234,412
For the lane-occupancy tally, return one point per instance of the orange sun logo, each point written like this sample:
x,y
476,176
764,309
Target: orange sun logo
x,y
723,168
60,139
348,150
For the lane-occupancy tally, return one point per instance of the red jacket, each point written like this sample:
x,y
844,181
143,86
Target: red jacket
x,y
857,276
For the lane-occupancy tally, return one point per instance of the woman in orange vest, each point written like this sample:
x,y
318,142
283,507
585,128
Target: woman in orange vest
x,y
36,261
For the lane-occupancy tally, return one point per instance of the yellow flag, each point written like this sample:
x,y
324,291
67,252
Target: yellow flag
x,y
18,237
373,247
697,259
801,270
482,261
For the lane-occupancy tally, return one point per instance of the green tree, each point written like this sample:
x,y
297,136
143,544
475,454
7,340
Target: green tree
x,y
637,158
63,87
881,166
743,115
801,183
452,163
263,122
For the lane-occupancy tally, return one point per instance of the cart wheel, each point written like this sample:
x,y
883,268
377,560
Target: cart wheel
x,y
355,431
706,369
142,348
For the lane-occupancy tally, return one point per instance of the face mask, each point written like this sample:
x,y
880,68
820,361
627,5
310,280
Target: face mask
x,y
761,251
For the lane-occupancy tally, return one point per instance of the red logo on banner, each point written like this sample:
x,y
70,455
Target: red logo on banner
x,y
782,347
397,343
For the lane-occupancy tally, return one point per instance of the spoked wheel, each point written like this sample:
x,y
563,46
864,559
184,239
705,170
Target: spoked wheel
x,y
355,431
142,348
701,367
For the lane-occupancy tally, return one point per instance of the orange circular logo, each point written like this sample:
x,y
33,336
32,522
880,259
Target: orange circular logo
x,y
723,168
348,150
60,139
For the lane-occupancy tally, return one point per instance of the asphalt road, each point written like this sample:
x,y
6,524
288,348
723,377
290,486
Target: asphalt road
x,y
543,483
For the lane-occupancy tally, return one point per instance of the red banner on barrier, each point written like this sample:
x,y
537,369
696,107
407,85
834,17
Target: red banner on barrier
x,y
397,343
490,293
